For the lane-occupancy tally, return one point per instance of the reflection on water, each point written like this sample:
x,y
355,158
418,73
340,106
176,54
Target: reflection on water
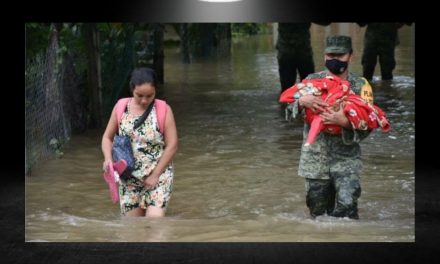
x,y
236,168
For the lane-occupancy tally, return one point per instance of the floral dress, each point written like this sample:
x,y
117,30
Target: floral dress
x,y
148,146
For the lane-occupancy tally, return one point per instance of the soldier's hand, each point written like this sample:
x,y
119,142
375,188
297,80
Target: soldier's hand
x,y
315,103
332,117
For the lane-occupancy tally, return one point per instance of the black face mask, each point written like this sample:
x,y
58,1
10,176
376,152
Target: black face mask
x,y
336,66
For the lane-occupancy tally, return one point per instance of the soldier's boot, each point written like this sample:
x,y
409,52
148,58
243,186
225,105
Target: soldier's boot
x,y
350,211
346,202
316,208
387,75
348,191
319,197
331,201
387,65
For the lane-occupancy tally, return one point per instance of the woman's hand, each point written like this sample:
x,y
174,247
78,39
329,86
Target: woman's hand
x,y
151,181
105,165
315,103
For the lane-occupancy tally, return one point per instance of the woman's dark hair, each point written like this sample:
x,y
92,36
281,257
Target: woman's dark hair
x,y
141,76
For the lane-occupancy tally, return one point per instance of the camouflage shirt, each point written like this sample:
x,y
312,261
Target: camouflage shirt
x,y
330,152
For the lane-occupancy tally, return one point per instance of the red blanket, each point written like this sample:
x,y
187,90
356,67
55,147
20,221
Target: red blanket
x,y
336,92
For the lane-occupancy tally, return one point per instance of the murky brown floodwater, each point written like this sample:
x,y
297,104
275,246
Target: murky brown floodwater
x,y
236,168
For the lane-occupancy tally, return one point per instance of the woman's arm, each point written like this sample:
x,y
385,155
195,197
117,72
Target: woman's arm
x,y
107,139
171,142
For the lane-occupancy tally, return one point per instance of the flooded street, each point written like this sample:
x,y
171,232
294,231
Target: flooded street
x,y
236,167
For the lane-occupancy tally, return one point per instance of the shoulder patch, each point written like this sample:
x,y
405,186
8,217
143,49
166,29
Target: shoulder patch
x,y
367,91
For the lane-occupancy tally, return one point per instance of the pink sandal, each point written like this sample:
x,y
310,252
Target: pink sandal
x,y
120,166
109,177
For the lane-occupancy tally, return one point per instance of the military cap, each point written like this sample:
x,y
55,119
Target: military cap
x,y
338,44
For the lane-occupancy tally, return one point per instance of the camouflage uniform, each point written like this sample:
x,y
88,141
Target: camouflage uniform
x,y
294,52
332,165
380,41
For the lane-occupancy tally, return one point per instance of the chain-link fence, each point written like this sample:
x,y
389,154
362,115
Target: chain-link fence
x,y
56,89
47,124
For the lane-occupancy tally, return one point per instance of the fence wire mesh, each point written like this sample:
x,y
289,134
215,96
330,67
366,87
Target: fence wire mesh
x,y
47,124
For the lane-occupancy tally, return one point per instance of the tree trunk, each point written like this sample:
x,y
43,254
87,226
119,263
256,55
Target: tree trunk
x,y
94,75
52,85
223,39
184,43
204,39
158,57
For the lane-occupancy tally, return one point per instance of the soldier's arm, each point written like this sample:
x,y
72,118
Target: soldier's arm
x,y
351,136
293,111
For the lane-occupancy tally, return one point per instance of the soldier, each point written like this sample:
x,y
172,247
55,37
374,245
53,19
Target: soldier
x,y
332,165
294,52
380,41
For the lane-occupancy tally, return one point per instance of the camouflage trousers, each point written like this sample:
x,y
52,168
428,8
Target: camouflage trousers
x,y
336,196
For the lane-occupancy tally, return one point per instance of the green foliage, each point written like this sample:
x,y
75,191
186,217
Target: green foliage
x,y
71,41
37,38
201,38
245,28
248,29
117,47
171,43
56,146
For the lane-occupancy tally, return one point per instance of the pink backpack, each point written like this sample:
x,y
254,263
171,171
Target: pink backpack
x,y
161,111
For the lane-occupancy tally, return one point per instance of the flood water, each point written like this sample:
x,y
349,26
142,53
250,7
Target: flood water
x,y
236,167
